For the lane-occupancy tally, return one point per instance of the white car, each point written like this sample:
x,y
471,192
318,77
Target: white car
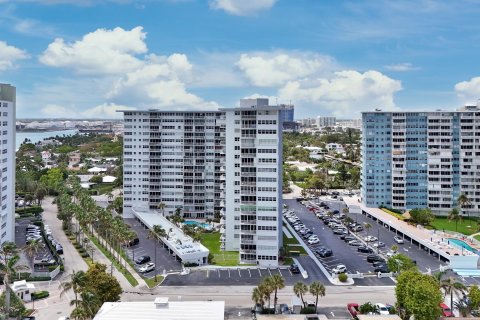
x,y
313,241
381,309
341,268
379,244
398,240
371,239
150,266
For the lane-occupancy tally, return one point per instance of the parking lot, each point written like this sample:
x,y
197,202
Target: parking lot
x,y
348,255
232,276
165,262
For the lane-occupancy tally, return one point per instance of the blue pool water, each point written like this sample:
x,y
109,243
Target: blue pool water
x,y
197,224
461,244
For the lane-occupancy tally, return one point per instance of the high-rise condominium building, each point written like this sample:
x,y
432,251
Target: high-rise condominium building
x,y
227,161
421,159
7,162
323,122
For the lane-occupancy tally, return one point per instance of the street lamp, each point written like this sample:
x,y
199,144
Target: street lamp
x,y
378,241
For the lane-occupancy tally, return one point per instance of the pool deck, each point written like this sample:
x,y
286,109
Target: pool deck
x,y
436,241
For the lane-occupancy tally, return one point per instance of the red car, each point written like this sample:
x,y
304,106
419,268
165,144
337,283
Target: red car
x,y
353,309
446,311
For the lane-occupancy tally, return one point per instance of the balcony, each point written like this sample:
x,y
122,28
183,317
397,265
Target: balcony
x,y
248,231
248,251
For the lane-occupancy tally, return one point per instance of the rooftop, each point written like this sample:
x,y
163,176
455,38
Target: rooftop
x,y
163,309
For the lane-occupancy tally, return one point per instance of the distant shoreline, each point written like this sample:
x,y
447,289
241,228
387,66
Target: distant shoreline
x,y
42,130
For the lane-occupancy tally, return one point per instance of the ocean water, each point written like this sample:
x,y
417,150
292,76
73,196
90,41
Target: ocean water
x,y
39,136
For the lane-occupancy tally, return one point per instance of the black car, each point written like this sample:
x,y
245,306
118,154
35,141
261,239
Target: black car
x,y
133,242
383,268
373,257
325,253
377,264
349,238
294,268
343,236
142,259
365,249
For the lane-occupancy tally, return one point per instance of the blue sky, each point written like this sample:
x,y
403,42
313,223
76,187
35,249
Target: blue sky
x,y
87,58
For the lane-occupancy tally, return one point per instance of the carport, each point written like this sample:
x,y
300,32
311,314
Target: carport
x,y
183,246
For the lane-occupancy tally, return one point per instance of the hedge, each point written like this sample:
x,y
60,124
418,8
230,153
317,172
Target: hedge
x,y
84,255
40,295
29,210
39,279
308,310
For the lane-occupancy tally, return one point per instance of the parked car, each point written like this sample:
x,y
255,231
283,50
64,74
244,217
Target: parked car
x,y
134,242
383,269
446,311
349,238
294,268
379,244
313,241
142,259
340,231
398,240
324,252
370,238
378,264
353,309
381,309
354,243
341,268
365,249
373,257
284,309
150,266
357,228
59,248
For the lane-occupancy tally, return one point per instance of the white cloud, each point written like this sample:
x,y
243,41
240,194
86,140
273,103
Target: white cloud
x,y
242,7
401,67
106,110
344,94
9,55
274,69
99,52
468,91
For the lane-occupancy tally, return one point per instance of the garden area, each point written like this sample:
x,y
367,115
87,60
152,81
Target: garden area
x,y
291,248
466,225
218,257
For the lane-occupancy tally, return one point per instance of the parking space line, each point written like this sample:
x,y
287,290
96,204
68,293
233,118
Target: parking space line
x,y
259,272
218,270
228,273
269,271
249,272
239,274
208,273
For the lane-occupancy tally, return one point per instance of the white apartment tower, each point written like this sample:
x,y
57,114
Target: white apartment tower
x,y
7,162
227,161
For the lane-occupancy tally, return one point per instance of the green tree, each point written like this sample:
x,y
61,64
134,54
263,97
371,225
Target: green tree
x,y
454,215
96,179
300,288
317,289
76,283
257,296
156,233
474,297
32,248
277,283
463,201
418,295
423,216
450,286
53,179
9,257
400,262
267,289
104,286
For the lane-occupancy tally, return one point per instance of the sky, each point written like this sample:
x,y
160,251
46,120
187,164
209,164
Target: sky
x,y
89,58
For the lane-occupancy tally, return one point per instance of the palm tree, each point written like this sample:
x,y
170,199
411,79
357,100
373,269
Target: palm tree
x,y
161,206
8,254
367,227
266,288
32,248
277,283
450,286
317,289
463,201
87,307
454,215
257,296
77,281
155,233
300,289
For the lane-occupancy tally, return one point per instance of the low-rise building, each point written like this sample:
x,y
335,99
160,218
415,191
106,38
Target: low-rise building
x,y
23,290
162,308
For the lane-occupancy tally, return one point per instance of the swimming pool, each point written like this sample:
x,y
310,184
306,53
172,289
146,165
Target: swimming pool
x,y
461,244
197,224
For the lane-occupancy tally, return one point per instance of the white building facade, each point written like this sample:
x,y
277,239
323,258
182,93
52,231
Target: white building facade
x,y
225,162
323,122
7,162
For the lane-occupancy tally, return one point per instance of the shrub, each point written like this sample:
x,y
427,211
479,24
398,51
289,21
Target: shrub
x,y
39,279
190,264
40,295
366,308
307,310
29,210
268,311
342,277
84,255
38,223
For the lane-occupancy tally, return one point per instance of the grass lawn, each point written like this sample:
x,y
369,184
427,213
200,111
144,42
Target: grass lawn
x,y
396,215
291,244
466,226
477,237
220,258
151,283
